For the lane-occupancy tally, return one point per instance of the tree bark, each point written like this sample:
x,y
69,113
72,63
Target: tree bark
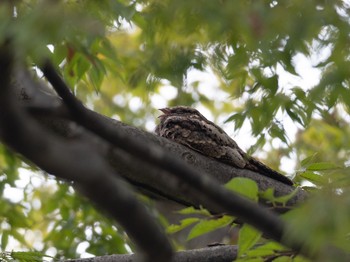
x,y
144,175
208,254
49,111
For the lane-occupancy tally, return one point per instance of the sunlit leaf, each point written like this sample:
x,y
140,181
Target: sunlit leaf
x,y
261,141
248,236
308,160
282,259
313,177
28,256
206,226
270,196
238,119
266,249
4,239
276,131
244,186
192,211
322,166
183,224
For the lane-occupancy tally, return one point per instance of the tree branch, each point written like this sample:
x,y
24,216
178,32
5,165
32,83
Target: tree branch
x,y
55,116
208,254
211,193
78,162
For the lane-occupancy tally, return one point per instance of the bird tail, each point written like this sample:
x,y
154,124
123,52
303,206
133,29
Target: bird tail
x,y
256,165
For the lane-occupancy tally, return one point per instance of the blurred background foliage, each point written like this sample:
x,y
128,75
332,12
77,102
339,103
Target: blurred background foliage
x,y
274,73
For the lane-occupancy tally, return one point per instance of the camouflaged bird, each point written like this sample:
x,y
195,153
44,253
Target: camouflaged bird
x,y
186,126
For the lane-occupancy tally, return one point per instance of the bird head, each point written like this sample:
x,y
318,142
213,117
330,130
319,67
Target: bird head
x,y
179,110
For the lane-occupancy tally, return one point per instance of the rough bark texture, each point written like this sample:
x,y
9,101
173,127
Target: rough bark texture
x,y
209,254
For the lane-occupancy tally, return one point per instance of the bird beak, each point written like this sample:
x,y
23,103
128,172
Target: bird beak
x,y
165,110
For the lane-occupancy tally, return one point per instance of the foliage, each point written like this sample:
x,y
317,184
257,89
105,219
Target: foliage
x,y
251,245
201,225
22,256
125,58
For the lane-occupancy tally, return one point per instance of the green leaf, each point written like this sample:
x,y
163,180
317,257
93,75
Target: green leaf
x,y
322,166
259,252
282,259
244,186
237,118
59,54
296,115
300,259
259,144
277,131
11,166
313,177
4,239
183,224
284,199
81,65
65,212
192,210
29,256
269,195
264,250
307,160
250,260
206,226
248,237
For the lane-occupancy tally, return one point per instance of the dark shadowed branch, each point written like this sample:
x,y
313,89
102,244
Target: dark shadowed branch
x,y
147,177
76,161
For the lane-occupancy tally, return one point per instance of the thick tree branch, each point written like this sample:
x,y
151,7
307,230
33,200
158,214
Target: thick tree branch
x,y
210,193
208,254
155,180
77,162
48,109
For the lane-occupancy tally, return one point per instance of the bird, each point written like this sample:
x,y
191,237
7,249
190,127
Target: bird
x,y
187,126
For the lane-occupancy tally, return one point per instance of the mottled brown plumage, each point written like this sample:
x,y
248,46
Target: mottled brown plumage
x,y
186,126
